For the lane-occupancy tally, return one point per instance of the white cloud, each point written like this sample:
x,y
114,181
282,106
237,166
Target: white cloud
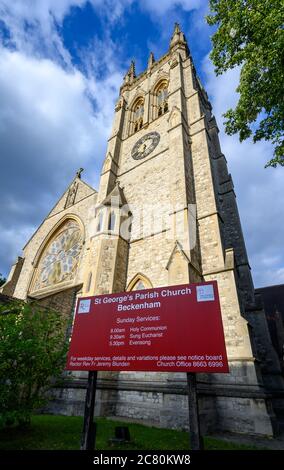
x,y
46,132
161,7
46,104
259,191
48,129
34,25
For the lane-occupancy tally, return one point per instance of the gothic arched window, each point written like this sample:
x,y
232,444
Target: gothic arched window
x,y
139,282
137,115
161,99
59,260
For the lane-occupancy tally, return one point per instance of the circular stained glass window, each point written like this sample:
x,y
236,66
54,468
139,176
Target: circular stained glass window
x,y
59,261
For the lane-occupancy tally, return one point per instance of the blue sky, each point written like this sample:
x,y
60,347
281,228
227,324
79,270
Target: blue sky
x,y
61,66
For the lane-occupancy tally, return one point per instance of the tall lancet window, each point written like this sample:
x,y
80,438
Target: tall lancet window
x,y
111,221
138,112
161,99
100,222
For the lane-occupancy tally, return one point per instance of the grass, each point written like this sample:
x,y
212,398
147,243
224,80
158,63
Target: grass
x,y
49,432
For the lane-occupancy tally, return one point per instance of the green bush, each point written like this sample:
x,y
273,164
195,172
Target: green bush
x,y
33,346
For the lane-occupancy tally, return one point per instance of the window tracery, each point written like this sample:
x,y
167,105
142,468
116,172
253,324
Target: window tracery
x,y
137,114
162,99
59,260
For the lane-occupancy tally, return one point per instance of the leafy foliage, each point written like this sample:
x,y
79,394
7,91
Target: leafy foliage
x,y
250,35
33,348
2,280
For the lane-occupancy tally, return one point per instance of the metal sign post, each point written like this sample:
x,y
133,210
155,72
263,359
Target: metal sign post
x,y
195,439
89,429
102,339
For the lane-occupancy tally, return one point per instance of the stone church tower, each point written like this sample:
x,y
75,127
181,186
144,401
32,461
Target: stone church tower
x,y
163,164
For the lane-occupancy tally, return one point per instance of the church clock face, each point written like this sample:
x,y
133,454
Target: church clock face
x,y
145,145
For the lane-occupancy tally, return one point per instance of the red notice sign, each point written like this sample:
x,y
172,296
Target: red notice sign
x,y
167,329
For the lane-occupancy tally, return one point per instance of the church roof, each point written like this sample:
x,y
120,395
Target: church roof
x,y
82,191
115,197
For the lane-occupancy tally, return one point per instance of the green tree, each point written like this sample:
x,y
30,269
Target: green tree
x,y
33,346
2,280
250,35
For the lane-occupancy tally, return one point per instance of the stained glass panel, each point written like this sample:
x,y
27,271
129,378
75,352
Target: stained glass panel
x,y
59,261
